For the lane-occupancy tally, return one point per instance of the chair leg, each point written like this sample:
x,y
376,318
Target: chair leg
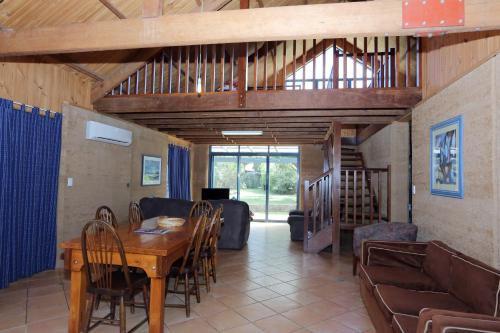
x,y
97,302
187,295
354,264
123,316
145,297
197,286
212,269
88,313
112,307
206,273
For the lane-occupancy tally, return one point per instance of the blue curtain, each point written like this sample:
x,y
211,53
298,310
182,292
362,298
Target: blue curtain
x,y
179,172
30,146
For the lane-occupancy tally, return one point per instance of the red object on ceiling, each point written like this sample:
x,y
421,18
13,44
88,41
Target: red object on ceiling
x,y
433,13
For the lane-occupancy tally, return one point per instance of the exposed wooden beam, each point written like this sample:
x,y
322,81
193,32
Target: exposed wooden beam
x,y
268,120
113,9
152,8
336,20
258,114
368,131
264,100
64,60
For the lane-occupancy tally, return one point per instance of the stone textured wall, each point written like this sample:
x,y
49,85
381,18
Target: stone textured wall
x,y
470,224
390,146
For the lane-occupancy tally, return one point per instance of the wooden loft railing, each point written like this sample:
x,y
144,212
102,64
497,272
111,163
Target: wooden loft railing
x,y
365,190
381,62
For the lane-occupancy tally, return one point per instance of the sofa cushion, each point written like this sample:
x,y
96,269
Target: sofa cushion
x,y
437,263
400,277
476,284
394,300
404,323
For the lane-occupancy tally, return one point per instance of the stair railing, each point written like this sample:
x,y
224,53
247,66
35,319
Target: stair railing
x,y
318,194
372,188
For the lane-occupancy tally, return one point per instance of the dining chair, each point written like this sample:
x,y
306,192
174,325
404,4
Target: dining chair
x,y
209,248
187,268
200,208
105,213
135,216
100,243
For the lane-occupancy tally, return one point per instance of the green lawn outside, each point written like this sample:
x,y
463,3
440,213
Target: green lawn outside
x,y
279,204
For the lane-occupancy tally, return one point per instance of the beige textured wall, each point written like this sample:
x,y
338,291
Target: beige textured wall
x,y
469,224
311,165
103,174
200,168
390,146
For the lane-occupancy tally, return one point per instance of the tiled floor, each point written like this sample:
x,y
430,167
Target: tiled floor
x,y
270,286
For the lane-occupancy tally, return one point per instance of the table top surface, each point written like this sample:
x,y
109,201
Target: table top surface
x,y
147,244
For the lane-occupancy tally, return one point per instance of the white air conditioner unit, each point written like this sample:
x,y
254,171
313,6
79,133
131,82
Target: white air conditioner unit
x,y
105,133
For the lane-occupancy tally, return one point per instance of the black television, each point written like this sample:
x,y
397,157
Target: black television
x,y
214,193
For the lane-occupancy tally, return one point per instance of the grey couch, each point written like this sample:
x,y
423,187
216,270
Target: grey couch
x,y
236,214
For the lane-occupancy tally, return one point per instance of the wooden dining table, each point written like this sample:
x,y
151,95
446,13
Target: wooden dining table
x,y
151,252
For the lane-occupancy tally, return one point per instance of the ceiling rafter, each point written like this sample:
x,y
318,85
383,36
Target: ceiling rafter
x,y
338,20
113,9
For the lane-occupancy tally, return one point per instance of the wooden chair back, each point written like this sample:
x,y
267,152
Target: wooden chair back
x,y
193,251
215,232
135,216
104,213
99,242
200,208
211,228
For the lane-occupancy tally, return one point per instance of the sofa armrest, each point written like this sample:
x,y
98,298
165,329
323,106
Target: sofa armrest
x,y
440,321
393,253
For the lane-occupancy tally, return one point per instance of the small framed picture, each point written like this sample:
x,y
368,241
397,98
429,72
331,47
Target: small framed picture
x,y
151,170
446,160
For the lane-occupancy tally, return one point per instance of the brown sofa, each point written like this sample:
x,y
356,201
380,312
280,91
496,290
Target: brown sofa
x,y
412,287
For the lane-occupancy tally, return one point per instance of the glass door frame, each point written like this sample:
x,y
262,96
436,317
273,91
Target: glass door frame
x,y
267,155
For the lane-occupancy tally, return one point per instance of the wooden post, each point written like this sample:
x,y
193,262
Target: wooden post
x,y
242,75
389,193
222,66
306,213
336,126
365,61
186,69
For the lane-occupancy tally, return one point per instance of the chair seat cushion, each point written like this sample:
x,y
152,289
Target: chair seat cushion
x,y
395,300
396,276
404,323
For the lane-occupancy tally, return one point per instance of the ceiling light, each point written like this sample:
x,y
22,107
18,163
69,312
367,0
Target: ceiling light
x,y
242,133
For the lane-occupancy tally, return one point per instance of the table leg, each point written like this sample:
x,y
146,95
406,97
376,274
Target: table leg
x,y
157,305
78,301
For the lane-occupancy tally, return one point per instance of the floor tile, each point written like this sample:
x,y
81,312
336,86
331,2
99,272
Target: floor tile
x,y
277,324
255,311
226,320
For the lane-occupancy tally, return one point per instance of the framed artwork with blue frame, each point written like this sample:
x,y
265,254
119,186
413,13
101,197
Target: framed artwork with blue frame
x,y
446,160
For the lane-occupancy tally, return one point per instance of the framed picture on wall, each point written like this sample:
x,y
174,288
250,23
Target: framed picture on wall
x,y
446,160
151,170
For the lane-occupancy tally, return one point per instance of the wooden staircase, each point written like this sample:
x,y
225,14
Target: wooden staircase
x,y
363,190
361,193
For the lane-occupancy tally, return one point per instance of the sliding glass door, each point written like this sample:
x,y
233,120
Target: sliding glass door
x,y
283,189
265,177
252,178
